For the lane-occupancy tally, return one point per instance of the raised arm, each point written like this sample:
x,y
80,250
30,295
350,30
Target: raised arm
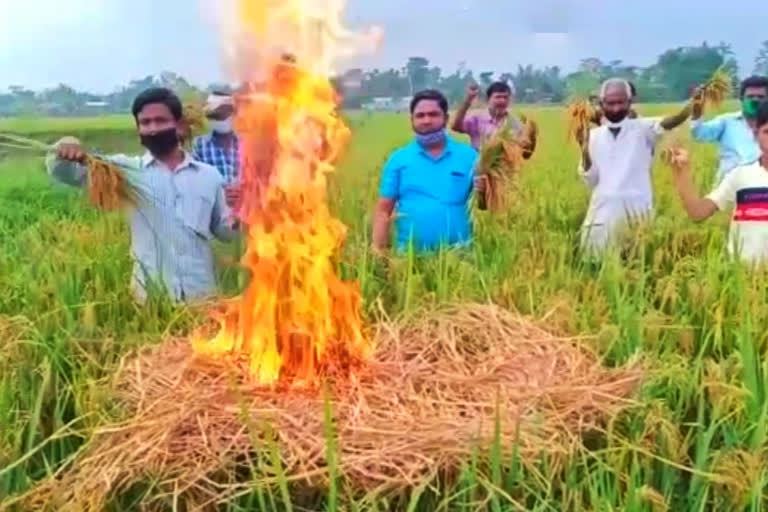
x,y
704,131
675,120
698,208
459,119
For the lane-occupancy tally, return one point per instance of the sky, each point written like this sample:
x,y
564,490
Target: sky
x,y
97,45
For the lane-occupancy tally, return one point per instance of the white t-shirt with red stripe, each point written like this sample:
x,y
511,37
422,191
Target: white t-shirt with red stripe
x,y
745,190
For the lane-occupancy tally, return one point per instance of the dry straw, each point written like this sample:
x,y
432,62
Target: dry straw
x,y
425,403
717,89
579,114
193,120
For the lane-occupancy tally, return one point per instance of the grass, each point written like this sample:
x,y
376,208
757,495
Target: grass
x,y
695,441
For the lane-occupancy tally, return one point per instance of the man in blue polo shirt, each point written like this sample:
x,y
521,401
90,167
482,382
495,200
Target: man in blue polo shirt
x,y
734,132
428,182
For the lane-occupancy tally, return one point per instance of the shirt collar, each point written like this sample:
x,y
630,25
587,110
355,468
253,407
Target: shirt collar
x,y
449,144
210,138
148,160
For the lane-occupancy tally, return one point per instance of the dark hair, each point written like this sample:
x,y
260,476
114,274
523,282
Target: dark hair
x,y
753,81
498,87
762,114
430,94
157,95
632,88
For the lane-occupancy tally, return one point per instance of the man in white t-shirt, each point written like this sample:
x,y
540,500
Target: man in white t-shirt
x,y
616,165
744,189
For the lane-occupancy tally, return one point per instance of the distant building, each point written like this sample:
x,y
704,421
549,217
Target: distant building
x,y
388,104
96,104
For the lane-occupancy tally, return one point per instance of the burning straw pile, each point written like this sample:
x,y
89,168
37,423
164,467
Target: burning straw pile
x,y
425,402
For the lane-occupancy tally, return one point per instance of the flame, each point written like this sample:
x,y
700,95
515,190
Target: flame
x,y
296,319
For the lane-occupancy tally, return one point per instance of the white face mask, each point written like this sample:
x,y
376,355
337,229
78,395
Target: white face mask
x,y
221,127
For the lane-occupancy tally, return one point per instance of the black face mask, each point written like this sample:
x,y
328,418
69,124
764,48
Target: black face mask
x,y
616,117
161,143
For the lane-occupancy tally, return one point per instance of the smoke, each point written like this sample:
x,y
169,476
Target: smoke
x,y
311,31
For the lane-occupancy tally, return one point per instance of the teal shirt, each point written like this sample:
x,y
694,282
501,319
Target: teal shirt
x,y
431,194
731,132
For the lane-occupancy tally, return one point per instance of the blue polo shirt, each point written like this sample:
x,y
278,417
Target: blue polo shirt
x,y
431,194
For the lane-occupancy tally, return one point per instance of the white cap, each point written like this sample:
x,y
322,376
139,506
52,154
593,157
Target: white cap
x,y
215,101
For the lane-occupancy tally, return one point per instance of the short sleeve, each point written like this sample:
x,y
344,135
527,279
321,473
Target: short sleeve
x,y
653,127
470,126
724,195
390,179
475,159
707,131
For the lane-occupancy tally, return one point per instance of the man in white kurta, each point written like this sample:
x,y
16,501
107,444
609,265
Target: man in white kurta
x,y
616,165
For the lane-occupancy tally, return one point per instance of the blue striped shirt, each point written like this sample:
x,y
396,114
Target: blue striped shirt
x,y
224,158
180,212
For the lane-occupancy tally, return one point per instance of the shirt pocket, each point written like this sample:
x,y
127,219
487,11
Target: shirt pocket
x,y
457,187
196,211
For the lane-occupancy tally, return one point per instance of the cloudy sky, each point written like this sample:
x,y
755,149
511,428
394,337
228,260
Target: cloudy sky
x,y
99,44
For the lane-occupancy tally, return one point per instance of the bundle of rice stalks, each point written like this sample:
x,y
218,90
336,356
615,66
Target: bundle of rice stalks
x,y
579,114
441,389
194,119
670,153
501,157
717,89
109,187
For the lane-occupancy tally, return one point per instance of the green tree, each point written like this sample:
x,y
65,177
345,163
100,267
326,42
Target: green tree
x,y
761,61
683,68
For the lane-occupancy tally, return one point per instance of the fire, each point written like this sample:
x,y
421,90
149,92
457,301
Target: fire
x,y
296,319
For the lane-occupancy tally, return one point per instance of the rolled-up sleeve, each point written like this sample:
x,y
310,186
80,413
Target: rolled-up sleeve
x,y
707,131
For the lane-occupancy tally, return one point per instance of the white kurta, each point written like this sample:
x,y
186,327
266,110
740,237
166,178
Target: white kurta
x,y
620,179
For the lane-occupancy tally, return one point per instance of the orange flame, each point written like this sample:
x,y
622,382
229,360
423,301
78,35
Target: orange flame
x,y
296,320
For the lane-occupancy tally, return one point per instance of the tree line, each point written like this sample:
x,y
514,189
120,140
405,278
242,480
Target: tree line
x,y
670,78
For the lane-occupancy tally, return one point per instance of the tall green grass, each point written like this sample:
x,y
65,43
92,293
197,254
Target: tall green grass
x,y
695,441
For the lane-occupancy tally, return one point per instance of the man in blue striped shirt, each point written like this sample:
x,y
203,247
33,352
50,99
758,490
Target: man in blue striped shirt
x,y
220,148
733,132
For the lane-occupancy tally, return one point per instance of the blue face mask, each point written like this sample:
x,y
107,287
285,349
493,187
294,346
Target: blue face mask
x,y
427,140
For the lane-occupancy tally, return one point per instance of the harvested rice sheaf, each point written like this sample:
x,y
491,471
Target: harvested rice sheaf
x,y
718,88
579,114
425,403
108,187
194,119
501,158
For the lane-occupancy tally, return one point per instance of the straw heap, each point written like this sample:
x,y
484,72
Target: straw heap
x,y
422,407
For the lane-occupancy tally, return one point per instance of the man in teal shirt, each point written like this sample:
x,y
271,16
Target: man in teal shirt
x,y
733,132
428,182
